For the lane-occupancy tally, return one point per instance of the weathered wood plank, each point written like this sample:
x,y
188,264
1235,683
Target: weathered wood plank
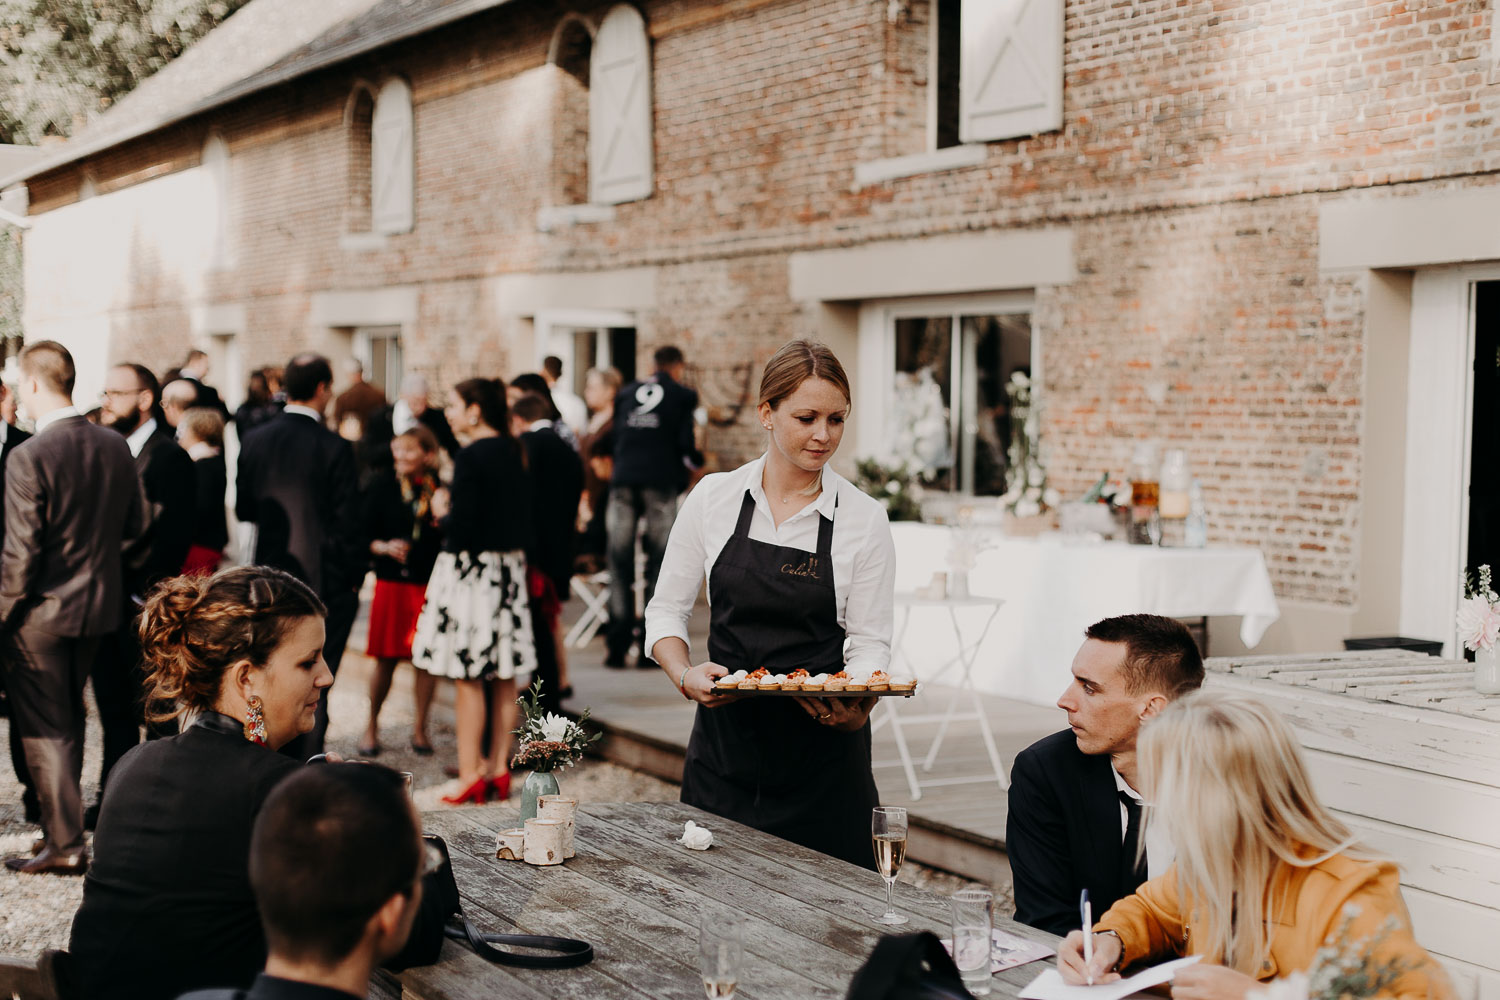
x,y
650,920
1257,666
636,895
1444,806
1422,739
1460,929
1435,864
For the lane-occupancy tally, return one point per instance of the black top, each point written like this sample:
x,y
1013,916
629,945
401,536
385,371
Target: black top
x,y
251,415
171,489
491,499
557,482
1063,834
271,988
653,427
210,528
167,905
388,514
296,484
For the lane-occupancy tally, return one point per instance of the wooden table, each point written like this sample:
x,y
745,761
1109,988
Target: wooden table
x,y
636,895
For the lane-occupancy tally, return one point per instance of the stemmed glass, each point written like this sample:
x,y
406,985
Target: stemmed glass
x,y
888,836
721,946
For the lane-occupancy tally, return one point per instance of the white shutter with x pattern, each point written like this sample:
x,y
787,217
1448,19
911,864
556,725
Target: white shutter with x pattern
x,y
392,160
1011,70
621,147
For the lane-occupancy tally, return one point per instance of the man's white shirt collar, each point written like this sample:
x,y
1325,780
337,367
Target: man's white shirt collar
x,y
305,411
43,422
137,438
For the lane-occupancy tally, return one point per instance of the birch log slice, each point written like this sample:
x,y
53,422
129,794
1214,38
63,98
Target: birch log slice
x,y
544,841
560,807
510,845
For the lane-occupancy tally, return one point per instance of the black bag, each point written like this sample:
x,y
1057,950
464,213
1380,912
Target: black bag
x,y
452,923
908,967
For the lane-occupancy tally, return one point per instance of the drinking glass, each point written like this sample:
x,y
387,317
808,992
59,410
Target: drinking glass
x,y
410,780
888,837
973,910
721,946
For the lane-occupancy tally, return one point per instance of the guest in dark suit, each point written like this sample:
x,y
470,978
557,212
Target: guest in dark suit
x,y
168,906
72,503
201,435
1075,818
11,437
130,405
297,484
335,861
556,485
195,370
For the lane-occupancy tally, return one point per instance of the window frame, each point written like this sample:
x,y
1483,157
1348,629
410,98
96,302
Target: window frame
x,y
877,357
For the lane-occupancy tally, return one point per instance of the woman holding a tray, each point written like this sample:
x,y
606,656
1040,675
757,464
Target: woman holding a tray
x,y
800,569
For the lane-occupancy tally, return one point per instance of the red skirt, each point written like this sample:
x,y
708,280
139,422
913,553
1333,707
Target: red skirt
x,y
542,593
393,618
202,561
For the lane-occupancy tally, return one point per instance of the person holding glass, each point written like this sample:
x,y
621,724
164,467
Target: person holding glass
x,y
1264,873
800,569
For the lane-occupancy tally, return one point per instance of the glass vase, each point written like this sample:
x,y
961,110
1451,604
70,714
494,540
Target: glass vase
x,y
1487,671
538,783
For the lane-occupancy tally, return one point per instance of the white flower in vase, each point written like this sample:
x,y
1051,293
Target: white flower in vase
x,y
555,727
1478,623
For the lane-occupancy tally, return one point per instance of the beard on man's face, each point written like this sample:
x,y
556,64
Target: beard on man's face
x,y
125,425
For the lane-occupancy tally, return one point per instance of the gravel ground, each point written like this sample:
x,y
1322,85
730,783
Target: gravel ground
x,y
37,911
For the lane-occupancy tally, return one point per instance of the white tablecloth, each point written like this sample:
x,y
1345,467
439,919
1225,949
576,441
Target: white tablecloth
x,y
1055,587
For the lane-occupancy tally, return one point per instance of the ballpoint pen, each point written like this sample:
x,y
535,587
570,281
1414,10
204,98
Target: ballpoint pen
x,y
1086,911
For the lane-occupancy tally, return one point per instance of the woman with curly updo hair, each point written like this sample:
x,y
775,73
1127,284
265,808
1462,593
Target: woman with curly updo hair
x,y
167,905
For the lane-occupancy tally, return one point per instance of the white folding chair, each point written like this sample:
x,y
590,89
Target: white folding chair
x,y
593,591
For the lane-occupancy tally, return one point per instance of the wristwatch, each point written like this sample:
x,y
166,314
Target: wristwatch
x,y
1121,957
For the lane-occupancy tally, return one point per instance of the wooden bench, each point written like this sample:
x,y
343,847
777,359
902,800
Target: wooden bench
x,y
28,979
1406,752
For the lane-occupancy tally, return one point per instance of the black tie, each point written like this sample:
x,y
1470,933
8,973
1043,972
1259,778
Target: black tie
x,y
1133,874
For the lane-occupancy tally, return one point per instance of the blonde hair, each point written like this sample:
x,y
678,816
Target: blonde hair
x,y
1224,775
795,363
205,424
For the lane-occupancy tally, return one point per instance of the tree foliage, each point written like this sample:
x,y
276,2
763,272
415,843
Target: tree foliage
x,y
10,284
64,61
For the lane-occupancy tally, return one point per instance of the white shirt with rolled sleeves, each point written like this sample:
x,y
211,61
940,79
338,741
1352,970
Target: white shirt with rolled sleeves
x,y
864,558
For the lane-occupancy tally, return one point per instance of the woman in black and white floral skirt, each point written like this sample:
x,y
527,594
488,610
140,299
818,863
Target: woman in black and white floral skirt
x,y
476,624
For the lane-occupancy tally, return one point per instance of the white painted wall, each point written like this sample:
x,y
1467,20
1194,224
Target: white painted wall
x,y
89,264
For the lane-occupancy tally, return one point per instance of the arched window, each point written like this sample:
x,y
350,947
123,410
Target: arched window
x,y
572,45
215,164
359,116
621,146
392,160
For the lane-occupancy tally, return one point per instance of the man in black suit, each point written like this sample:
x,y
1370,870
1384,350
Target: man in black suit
x,y
11,437
297,484
195,370
72,503
655,453
1075,818
130,404
556,484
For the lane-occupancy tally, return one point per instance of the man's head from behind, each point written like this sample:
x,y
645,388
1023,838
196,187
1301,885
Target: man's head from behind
x,y
47,376
336,862
669,359
308,381
177,397
1129,668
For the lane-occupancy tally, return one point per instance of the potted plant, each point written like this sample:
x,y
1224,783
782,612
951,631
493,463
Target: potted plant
x,y
547,743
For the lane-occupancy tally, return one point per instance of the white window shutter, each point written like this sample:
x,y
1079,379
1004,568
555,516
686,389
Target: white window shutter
x,y
392,160
1011,71
215,163
621,146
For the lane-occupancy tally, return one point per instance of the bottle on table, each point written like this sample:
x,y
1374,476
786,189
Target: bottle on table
x,y
1195,529
1145,496
1176,481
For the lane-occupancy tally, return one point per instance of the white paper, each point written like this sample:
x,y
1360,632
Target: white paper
x,y
695,837
1050,986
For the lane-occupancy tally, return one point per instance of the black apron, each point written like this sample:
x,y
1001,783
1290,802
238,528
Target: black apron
x,y
765,762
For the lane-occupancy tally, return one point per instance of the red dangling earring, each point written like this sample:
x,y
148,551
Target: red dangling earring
x,y
255,721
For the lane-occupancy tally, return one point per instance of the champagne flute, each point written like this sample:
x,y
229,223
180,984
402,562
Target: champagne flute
x,y
721,946
888,836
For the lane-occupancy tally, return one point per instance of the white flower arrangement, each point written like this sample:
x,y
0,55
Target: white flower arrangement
x,y
1479,612
1342,969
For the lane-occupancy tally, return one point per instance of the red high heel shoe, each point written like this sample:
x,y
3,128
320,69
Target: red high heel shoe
x,y
476,793
500,786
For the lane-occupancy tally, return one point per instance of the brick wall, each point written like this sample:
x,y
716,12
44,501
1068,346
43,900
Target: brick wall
x,y
1198,142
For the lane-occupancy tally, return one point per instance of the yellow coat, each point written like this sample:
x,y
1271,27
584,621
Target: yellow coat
x,y
1308,907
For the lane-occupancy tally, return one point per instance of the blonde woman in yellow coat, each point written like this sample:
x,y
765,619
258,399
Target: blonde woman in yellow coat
x,y
1263,872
